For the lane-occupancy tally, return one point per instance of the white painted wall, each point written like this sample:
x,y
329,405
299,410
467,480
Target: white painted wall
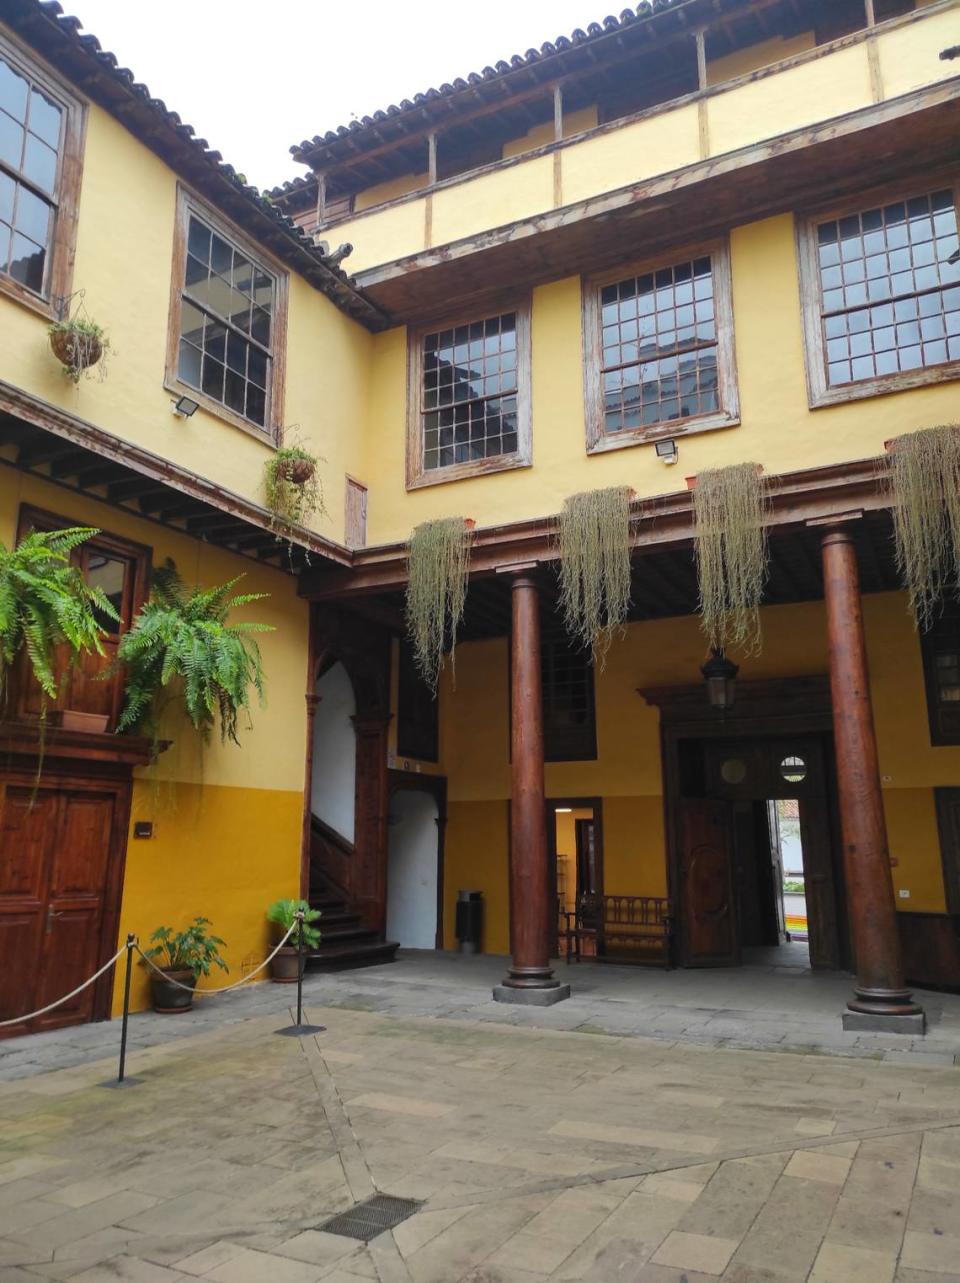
x,y
412,870
334,753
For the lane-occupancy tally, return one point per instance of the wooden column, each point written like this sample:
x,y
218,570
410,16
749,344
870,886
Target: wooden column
x,y
530,978
881,1000
368,888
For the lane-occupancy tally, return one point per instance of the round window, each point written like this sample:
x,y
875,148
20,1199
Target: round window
x,y
793,770
733,771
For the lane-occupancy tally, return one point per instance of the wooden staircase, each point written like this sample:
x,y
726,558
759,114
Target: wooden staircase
x,y
345,941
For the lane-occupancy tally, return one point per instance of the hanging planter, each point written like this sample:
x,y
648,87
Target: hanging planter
x,y
594,544
438,558
924,487
730,542
181,645
294,492
79,344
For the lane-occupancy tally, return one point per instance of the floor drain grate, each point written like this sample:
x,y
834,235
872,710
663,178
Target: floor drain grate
x,y
368,1219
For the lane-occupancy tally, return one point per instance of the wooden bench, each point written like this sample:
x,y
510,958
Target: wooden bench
x,y
633,929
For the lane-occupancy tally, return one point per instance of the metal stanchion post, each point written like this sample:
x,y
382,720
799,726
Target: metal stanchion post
x,y
300,1030
121,1079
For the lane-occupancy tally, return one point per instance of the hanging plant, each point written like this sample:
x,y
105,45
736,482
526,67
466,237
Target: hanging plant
x,y
594,544
182,647
79,344
438,558
730,542
292,483
924,486
45,603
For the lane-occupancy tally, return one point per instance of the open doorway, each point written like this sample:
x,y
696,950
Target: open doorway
x,y
769,882
415,829
575,852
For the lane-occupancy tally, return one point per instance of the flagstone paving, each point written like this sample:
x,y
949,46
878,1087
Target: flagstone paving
x,y
534,1154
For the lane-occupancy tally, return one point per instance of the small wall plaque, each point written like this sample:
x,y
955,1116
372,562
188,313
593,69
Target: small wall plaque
x,y
143,828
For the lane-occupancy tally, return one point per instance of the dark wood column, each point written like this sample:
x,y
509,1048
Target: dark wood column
x,y
313,703
369,874
530,978
881,1000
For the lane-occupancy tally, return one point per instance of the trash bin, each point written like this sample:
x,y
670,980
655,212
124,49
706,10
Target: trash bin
x,y
469,920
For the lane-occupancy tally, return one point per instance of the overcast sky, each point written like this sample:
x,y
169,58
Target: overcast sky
x,y
254,76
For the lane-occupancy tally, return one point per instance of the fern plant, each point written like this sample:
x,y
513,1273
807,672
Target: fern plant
x,y
182,643
46,603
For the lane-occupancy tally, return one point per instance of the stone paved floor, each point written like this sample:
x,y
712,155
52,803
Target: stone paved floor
x,y
767,1005
536,1153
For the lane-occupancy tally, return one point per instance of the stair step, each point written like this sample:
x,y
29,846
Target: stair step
x,y
342,956
343,919
325,902
358,933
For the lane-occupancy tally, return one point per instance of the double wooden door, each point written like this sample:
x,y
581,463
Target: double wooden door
x,y
61,850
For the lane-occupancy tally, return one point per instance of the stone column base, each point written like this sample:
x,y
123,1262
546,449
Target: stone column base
x,y
531,997
913,1024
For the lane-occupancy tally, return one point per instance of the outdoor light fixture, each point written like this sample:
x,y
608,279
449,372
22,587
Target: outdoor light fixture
x,y
720,674
667,451
185,407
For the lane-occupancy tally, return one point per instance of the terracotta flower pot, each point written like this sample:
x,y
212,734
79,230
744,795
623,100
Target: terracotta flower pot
x,y
71,720
297,471
284,969
76,351
167,997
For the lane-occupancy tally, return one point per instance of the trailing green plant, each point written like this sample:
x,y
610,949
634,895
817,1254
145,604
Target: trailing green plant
x,y
594,544
292,484
182,646
79,344
924,486
46,603
730,543
192,949
284,914
438,558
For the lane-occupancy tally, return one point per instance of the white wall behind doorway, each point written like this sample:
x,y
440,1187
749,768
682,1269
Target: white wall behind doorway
x,y
412,870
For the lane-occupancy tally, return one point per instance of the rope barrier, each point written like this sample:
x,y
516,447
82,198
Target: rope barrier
x,y
203,993
17,1020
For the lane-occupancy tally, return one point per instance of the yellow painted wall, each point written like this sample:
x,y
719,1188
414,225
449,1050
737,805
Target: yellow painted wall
x,y
227,819
123,264
390,190
777,430
627,772
753,57
574,122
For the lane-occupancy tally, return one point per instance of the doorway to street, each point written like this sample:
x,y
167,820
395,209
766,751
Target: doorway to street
x,y
575,854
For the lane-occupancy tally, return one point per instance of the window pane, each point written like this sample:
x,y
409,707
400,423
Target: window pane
x,y
221,255
33,216
256,404
213,378
13,91
45,118
27,262
109,574
191,323
40,163
11,141
188,368
8,189
198,241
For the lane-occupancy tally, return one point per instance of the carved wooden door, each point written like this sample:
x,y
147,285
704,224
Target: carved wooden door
x,y
709,935
823,925
56,848
776,872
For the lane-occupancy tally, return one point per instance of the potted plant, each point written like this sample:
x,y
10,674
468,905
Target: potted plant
x,y
284,968
189,955
181,642
78,344
292,484
45,604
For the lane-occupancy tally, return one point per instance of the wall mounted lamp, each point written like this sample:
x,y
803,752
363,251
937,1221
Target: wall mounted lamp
x,y
667,451
185,407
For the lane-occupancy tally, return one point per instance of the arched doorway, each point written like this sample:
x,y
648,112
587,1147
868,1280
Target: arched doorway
x,y
334,769
413,868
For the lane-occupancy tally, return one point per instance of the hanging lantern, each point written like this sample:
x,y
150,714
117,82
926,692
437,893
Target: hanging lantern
x,y
720,674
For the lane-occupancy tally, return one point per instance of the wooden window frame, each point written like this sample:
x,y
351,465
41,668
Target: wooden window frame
x,y
819,392
140,557
727,416
522,457
944,721
66,194
410,689
356,498
557,741
272,431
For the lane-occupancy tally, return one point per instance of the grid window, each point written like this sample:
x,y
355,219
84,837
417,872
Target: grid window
x,y
569,724
469,393
659,347
889,297
226,324
31,138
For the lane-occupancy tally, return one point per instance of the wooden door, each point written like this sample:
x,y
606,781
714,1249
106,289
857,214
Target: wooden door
x,y
776,871
57,852
708,913
823,924
948,819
